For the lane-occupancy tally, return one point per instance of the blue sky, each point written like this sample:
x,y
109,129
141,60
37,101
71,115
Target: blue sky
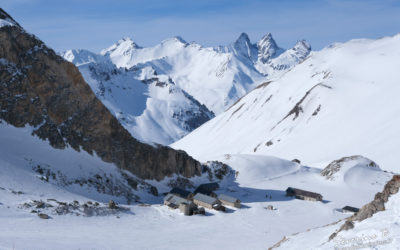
x,y
96,24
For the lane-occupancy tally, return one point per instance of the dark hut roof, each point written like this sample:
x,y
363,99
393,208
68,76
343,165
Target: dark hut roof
x,y
180,192
351,209
202,190
295,191
207,187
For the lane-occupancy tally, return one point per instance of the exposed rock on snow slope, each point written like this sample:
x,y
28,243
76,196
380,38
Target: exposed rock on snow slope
x,y
340,101
40,89
32,165
381,231
216,77
339,169
150,106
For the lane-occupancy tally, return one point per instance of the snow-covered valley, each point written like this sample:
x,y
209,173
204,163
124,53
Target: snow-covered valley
x,y
81,166
261,181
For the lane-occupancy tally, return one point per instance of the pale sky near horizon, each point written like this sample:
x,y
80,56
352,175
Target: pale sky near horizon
x,y
96,24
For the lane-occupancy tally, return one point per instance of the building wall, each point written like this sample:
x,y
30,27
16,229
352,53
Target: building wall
x,y
307,198
232,204
184,208
203,204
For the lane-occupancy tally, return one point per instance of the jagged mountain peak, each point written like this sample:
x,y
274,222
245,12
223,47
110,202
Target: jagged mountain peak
x,y
243,47
243,38
301,50
302,45
267,38
267,48
6,19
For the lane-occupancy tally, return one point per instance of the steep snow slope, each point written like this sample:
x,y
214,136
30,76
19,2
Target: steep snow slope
x,y
341,101
150,106
216,77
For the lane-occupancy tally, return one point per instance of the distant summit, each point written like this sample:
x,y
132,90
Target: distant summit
x,y
243,47
267,48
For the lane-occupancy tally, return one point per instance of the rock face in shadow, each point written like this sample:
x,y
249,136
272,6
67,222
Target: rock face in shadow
x,y
40,89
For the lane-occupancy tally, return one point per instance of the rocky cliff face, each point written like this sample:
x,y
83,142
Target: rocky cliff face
x,y
40,89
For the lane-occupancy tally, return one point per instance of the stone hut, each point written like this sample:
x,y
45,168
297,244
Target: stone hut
x,y
184,205
349,209
229,200
206,201
186,209
303,194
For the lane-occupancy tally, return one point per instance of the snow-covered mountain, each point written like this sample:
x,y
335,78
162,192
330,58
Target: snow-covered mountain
x,y
216,77
149,105
340,101
64,155
162,93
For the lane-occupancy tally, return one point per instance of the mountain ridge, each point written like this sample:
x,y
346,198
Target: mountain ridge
x,y
283,114
215,76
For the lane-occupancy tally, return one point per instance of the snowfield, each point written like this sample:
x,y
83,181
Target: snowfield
x,y
261,181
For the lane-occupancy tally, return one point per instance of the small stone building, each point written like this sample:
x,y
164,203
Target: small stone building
x,y
349,209
184,205
182,193
303,194
229,200
186,209
206,201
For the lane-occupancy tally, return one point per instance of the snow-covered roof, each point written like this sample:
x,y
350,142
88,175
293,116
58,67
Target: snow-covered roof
x,y
228,198
205,198
171,198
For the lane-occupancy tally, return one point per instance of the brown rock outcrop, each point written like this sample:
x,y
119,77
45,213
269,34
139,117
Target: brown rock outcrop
x,y
40,89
